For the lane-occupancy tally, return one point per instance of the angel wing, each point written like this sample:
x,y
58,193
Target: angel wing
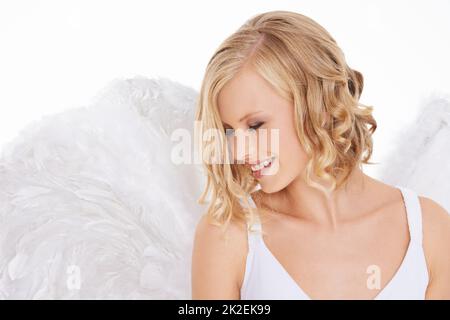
x,y
421,153
92,205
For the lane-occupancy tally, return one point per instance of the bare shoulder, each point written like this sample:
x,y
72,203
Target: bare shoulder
x,y
218,259
436,244
436,225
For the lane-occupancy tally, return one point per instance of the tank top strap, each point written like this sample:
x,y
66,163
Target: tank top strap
x,y
413,212
253,229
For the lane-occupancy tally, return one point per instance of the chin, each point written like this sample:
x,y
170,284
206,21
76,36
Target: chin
x,y
268,189
270,184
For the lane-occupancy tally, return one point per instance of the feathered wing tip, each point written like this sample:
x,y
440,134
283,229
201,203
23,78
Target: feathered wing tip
x,y
93,204
421,152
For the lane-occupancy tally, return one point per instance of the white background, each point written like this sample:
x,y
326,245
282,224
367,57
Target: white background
x,y
56,55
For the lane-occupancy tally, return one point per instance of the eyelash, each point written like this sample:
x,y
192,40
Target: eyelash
x,y
255,127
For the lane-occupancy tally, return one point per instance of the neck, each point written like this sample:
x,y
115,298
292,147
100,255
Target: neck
x,y
302,201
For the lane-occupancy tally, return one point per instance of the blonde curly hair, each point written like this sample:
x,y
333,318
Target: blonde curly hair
x,y
303,62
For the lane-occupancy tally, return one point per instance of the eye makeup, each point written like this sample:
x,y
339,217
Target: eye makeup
x,y
254,127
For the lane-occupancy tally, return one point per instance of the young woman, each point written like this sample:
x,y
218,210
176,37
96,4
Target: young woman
x,y
302,220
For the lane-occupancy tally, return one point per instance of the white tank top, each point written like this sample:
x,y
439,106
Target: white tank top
x,y
266,278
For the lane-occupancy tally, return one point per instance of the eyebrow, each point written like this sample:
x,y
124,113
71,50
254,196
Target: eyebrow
x,y
246,116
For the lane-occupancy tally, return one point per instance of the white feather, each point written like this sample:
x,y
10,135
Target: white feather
x,y
95,187
93,190
421,153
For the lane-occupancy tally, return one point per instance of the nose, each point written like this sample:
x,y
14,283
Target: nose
x,y
248,159
245,149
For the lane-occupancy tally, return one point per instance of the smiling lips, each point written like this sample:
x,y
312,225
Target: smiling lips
x,y
257,168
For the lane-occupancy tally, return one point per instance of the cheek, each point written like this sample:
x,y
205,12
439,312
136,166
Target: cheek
x,y
292,156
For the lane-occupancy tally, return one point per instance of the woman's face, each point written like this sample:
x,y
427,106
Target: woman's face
x,y
261,127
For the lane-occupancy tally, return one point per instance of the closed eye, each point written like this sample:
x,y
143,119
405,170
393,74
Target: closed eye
x,y
256,126
229,131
